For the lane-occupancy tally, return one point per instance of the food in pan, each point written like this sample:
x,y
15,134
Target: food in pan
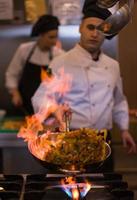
x,y
75,148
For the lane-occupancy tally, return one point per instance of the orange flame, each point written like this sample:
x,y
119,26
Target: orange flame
x,y
73,168
30,130
75,194
59,84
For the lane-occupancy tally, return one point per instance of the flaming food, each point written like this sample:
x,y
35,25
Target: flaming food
x,y
75,148
68,150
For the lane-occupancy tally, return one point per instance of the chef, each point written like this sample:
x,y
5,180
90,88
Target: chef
x,y
30,62
96,96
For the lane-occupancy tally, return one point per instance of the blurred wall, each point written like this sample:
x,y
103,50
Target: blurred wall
x,y
128,59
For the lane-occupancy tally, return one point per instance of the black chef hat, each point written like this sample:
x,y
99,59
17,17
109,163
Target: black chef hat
x,y
44,24
90,9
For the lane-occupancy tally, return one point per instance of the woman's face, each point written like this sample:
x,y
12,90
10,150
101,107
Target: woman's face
x,y
48,39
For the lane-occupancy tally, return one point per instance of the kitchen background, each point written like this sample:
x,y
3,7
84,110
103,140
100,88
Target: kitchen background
x,y
123,48
13,32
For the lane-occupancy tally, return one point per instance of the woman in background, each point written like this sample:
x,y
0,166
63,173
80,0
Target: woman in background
x,y
31,61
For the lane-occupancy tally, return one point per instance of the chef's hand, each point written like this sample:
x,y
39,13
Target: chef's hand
x,y
128,142
58,111
16,97
133,112
59,114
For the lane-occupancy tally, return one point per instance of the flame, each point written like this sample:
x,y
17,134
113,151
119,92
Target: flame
x,y
73,189
86,189
58,84
75,194
45,76
73,168
106,27
67,187
30,130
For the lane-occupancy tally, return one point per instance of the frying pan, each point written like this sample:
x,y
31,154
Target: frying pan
x,y
118,20
106,3
33,148
111,3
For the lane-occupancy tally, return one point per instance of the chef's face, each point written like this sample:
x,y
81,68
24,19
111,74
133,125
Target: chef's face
x,y
49,39
91,39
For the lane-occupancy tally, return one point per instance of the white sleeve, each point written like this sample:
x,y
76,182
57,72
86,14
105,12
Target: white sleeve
x,y
39,98
43,98
120,111
15,69
57,51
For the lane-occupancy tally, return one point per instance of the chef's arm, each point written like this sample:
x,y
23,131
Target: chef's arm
x,y
16,97
133,112
14,70
13,75
120,110
121,118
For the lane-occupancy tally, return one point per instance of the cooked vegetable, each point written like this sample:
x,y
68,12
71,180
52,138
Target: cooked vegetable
x,y
75,148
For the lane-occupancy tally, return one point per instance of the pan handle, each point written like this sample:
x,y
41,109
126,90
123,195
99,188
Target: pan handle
x,y
108,150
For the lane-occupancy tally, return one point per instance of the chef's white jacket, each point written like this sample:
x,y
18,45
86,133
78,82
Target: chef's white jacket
x,y
96,95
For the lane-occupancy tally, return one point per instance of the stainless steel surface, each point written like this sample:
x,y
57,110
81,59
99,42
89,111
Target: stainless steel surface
x,y
92,175
117,21
111,3
106,3
63,170
43,186
11,140
68,116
